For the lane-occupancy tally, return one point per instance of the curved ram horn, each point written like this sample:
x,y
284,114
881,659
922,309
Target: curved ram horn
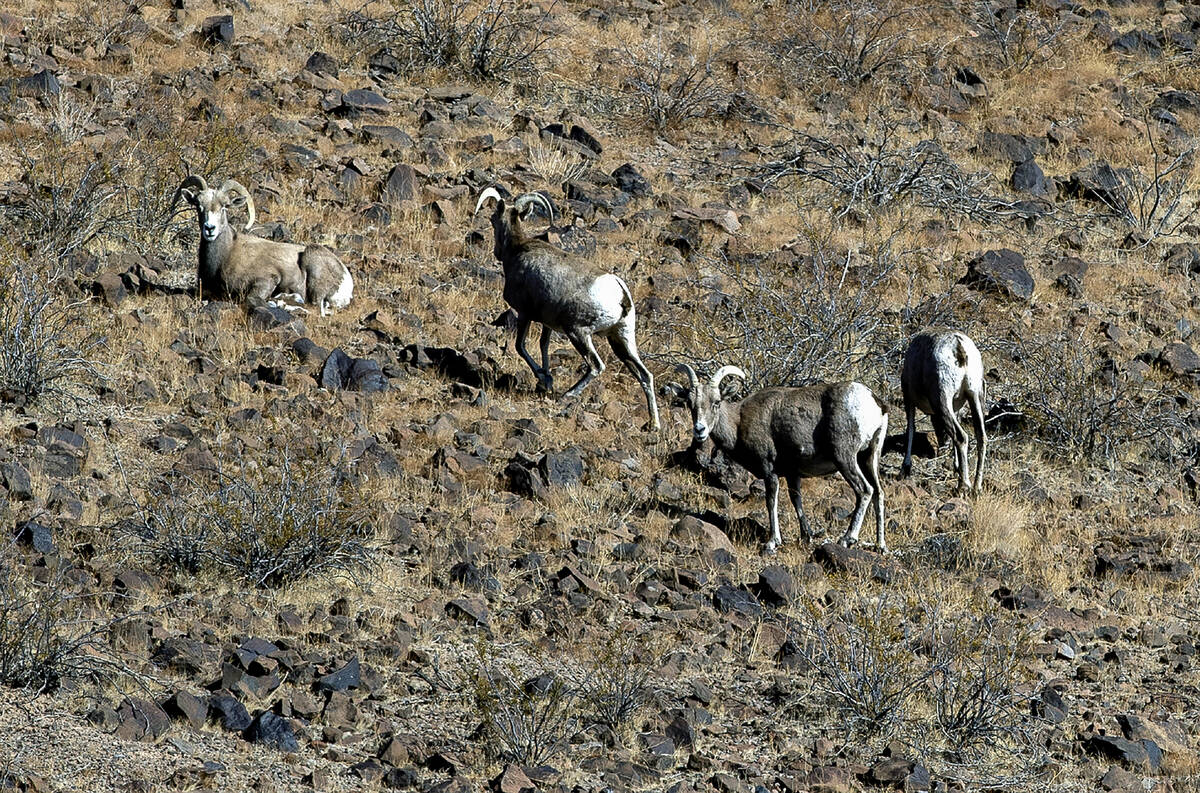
x,y
693,380
186,184
721,374
489,193
236,186
536,199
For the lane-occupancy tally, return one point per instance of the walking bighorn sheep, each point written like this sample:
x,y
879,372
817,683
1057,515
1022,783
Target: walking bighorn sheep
x,y
543,283
797,433
241,266
942,370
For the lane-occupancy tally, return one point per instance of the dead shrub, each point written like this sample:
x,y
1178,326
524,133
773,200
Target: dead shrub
x,y
851,41
497,40
269,526
813,314
671,82
47,632
46,352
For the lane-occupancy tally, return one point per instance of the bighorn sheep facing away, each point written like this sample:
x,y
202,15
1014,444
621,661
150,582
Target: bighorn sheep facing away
x,y
942,370
797,433
242,266
543,283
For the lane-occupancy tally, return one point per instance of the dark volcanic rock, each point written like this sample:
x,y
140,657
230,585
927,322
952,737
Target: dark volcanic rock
x,y
561,469
1001,271
341,372
274,731
187,707
728,598
1096,182
349,676
38,537
232,714
141,720
322,63
218,30
630,180
41,84
1179,359
1029,178
776,586
1142,754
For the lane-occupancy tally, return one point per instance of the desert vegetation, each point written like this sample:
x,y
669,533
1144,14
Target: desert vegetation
x,y
257,545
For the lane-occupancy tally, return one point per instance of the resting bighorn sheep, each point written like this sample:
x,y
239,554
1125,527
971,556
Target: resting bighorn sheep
x,y
543,283
797,433
942,370
241,266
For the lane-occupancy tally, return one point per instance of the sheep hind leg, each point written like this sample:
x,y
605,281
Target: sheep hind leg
x,y
624,346
544,346
863,493
582,341
957,436
871,471
977,419
772,483
910,414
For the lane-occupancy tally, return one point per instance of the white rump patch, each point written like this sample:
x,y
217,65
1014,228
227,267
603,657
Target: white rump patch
x,y
345,290
869,417
607,293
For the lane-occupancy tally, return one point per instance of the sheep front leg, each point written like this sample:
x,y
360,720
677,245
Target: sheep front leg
x,y
543,377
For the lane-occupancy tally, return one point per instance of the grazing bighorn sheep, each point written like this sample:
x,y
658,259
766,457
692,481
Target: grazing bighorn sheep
x,y
543,283
797,433
242,266
942,370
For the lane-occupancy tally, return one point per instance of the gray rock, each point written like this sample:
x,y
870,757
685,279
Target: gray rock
x,y
271,730
41,84
1002,272
322,63
38,537
401,184
728,598
776,586
17,481
349,676
361,100
1029,178
141,720
218,30
562,469
1179,359
231,714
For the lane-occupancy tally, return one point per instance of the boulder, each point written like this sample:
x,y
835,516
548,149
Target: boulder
x,y
1002,272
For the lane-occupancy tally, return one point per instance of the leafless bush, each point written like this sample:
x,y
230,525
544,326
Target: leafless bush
x,y
269,526
1085,407
71,199
881,168
1020,37
852,41
47,634
617,685
862,663
672,83
45,348
1159,202
501,39
530,720
815,314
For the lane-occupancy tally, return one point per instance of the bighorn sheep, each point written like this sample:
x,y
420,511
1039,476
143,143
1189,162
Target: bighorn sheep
x,y
543,283
242,266
942,370
797,433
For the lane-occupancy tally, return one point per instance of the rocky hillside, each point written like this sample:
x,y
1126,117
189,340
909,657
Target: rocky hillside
x,y
255,548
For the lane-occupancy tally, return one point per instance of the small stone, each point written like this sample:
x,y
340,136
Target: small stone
x,y
38,537
776,586
1000,271
728,598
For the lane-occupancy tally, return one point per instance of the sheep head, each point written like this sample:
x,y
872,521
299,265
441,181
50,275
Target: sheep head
x,y
704,400
506,217
212,205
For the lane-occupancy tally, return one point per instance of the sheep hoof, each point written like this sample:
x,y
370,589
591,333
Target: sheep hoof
x,y
848,542
650,426
770,548
905,471
545,385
